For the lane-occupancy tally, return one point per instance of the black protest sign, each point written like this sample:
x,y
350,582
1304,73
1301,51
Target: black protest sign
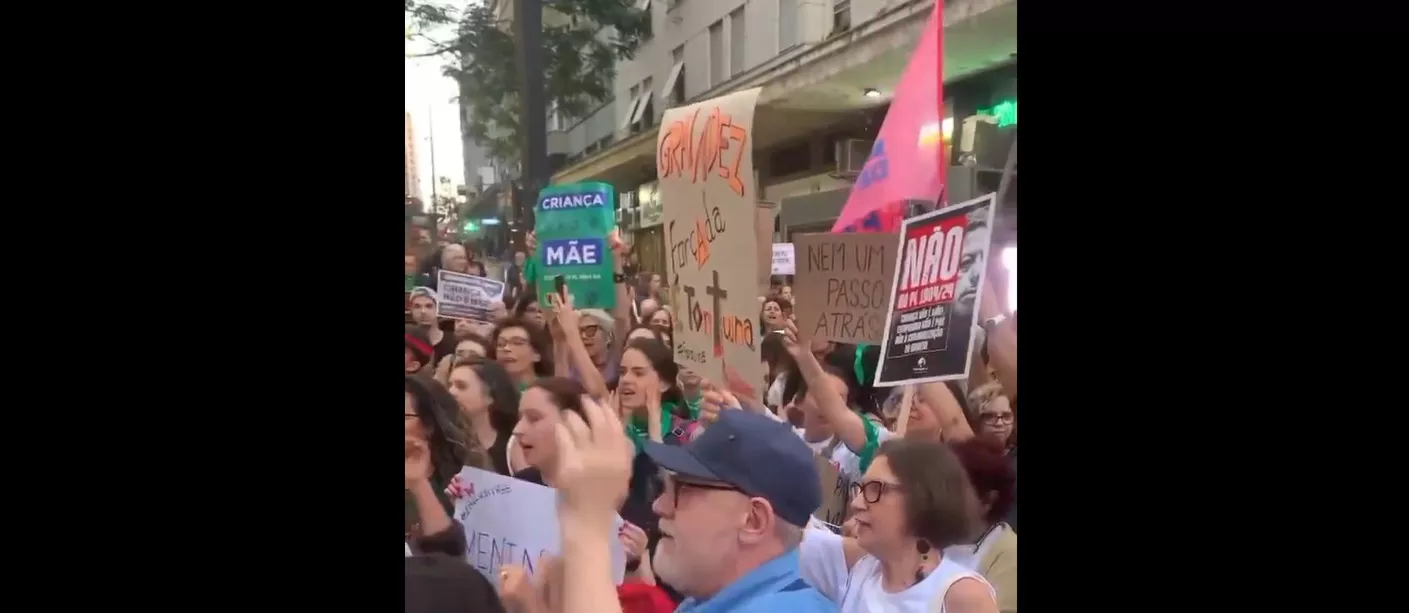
x,y
934,301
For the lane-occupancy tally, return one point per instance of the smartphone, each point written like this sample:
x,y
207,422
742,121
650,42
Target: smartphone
x,y
560,285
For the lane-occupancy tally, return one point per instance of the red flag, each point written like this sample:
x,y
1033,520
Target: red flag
x,y
907,160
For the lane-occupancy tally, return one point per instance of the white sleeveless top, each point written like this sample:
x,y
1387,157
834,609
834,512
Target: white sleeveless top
x,y
858,589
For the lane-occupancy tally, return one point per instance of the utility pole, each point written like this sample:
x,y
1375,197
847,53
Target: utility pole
x,y
533,105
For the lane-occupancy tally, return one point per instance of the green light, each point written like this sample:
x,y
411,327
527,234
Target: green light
x,y
471,226
1006,112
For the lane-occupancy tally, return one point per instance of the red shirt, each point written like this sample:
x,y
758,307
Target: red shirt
x,y
637,597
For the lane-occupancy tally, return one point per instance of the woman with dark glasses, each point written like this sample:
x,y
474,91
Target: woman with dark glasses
x,y
913,501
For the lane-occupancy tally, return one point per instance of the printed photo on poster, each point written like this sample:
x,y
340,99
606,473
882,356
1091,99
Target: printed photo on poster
x,y
465,296
934,300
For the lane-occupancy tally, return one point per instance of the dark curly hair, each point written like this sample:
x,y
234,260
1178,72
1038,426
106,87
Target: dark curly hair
x,y
991,473
446,436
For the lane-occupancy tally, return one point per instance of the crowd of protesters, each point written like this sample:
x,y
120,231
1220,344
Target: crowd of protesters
x,y
718,494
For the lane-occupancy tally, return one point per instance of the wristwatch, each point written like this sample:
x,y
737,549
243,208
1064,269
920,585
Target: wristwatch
x,y
990,323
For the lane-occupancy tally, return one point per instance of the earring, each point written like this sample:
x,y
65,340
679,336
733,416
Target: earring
x,y
924,548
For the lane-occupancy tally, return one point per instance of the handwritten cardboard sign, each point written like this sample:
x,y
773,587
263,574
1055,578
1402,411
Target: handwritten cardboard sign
x,y
508,521
835,489
704,159
842,285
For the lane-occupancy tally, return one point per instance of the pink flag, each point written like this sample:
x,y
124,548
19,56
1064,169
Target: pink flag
x,y
905,161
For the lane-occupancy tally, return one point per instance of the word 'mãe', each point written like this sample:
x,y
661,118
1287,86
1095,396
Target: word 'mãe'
x,y
574,251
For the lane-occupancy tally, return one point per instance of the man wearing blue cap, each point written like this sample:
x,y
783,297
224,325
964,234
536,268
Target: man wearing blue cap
x,y
732,514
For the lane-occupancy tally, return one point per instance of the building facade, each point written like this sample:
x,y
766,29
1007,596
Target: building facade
x,y
413,177
827,69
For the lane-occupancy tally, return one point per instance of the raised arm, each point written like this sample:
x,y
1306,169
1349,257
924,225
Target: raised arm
x,y
1002,339
946,410
850,428
587,372
622,313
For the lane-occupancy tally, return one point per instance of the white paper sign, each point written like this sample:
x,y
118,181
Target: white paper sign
x,y
508,521
783,259
467,296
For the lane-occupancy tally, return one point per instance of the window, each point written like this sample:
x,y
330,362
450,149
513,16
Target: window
x,y
644,114
787,24
790,160
841,16
631,101
555,119
674,90
645,6
737,35
716,53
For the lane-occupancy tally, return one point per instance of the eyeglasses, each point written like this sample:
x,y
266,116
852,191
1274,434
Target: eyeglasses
x,y
996,418
504,343
673,485
588,331
872,490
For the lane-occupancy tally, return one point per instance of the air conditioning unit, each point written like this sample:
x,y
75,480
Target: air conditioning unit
x,y
852,154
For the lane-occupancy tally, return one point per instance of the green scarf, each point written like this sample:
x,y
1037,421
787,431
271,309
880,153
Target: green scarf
x,y
639,428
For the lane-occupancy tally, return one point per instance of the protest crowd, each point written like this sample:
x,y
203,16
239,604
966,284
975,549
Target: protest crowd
x,y
715,500
587,432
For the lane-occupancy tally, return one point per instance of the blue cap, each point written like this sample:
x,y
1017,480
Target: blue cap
x,y
754,453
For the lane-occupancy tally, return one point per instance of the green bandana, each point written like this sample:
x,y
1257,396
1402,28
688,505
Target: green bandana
x,y
639,428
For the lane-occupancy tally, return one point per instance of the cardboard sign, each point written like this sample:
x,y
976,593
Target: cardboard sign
x,y
571,224
508,521
842,287
704,158
934,301
783,259
836,490
469,297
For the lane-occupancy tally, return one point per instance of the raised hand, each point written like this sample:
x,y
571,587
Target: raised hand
x,y
594,464
651,389
562,311
619,247
633,541
517,589
418,461
790,342
457,490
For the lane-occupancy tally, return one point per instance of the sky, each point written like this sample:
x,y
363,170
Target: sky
x,y
429,97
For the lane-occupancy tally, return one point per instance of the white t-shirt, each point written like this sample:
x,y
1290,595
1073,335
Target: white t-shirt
x,y
847,461
858,590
